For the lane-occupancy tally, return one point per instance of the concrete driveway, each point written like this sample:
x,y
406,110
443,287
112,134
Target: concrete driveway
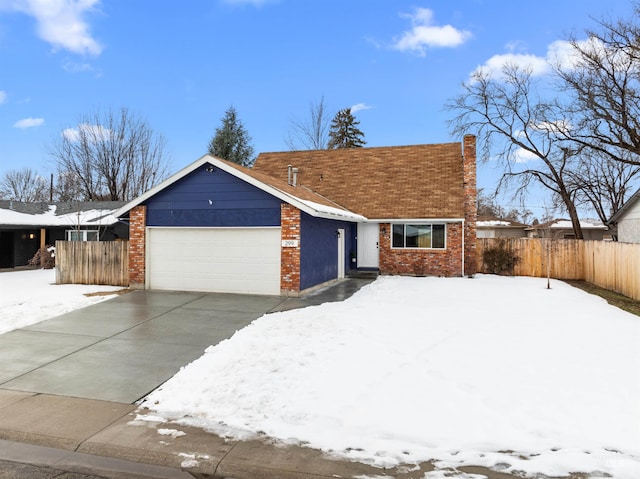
x,y
122,349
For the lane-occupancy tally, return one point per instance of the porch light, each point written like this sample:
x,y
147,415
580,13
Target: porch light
x,y
31,236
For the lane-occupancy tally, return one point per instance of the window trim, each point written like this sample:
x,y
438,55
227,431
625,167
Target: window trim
x,y
415,223
83,234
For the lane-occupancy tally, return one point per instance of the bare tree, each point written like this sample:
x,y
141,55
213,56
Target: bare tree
x,y
68,187
603,80
521,130
112,156
311,133
604,183
487,205
24,185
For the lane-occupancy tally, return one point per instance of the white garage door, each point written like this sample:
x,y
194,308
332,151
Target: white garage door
x,y
230,260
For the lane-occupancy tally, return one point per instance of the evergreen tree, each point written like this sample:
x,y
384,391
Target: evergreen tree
x,y
231,141
344,131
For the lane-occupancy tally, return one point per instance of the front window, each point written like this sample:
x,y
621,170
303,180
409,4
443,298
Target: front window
x,y
419,236
82,235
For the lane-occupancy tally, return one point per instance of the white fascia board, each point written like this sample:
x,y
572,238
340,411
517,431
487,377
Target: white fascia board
x,y
156,189
334,214
623,209
306,206
416,220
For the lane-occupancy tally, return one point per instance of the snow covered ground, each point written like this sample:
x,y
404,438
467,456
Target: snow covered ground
x,y
491,371
28,297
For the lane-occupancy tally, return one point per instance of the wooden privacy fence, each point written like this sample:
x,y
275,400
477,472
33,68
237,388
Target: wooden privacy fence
x,y
611,265
92,262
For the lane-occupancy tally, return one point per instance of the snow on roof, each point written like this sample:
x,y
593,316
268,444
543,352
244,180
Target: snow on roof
x,y
493,223
585,224
329,210
95,217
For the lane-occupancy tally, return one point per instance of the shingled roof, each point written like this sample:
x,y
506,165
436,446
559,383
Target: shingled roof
x,y
301,196
419,181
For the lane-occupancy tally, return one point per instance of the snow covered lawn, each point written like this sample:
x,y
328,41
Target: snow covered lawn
x,y
492,371
28,297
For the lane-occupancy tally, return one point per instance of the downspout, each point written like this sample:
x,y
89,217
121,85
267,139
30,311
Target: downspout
x,y
463,247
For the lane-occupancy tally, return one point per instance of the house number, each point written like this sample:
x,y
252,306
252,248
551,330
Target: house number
x,y
289,243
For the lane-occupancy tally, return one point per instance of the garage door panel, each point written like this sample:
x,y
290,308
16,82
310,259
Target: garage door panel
x,y
239,260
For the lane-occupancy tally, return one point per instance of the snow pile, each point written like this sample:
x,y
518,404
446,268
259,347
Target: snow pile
x,y
492,371
28,297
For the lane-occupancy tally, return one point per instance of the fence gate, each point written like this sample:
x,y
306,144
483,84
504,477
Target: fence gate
x,y
92,262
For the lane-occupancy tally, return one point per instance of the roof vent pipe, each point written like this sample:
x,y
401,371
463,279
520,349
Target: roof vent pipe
x,y
294,177
289,175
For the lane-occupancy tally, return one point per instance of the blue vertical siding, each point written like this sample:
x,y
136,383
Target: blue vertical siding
x,y
319,249
212,199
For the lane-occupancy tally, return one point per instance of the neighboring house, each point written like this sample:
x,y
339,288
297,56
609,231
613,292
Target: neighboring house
x,y
563,229
492,227
298,220
627,220
26,227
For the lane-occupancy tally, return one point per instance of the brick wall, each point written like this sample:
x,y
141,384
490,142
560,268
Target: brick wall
x,y
290,256
137,242
470,203
421,262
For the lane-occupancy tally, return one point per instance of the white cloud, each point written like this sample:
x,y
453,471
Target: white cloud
x,y
359,107
60,22
495,65
562,126
563,54
560,53
29,123
524,156
424,34
3,96
73,67
93,133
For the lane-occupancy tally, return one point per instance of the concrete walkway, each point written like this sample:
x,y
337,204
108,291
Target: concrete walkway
x,y
122,349
68,386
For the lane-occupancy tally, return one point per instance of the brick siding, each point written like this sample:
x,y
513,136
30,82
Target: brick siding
x,y
290,256
422,262
137,243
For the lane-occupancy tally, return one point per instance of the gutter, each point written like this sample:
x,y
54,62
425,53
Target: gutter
x,y
414,220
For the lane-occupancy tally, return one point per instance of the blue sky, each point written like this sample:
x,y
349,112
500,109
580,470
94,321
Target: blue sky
x,y
180,65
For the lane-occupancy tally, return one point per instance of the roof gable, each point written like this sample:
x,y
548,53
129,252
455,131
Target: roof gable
x,y
419,181
304,199
626,207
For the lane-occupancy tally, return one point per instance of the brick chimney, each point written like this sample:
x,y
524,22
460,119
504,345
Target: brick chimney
x,y
470,203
